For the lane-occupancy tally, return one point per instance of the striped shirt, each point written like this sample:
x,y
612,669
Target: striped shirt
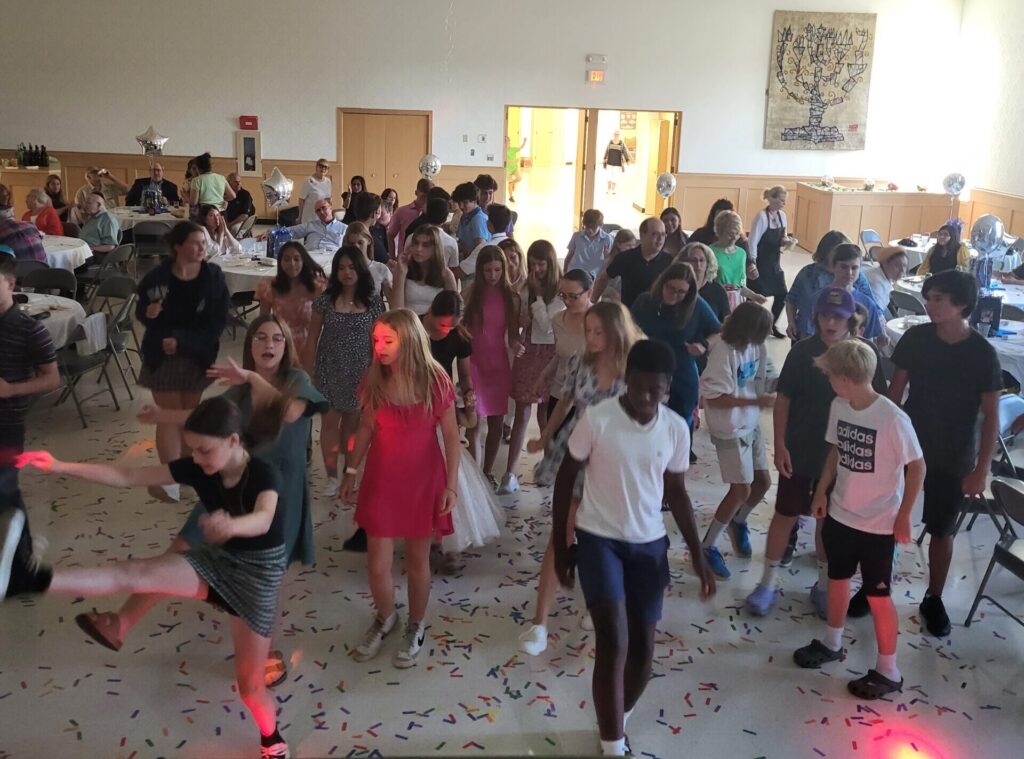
x,y
24,345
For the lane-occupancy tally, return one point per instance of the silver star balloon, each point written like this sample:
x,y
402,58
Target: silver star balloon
x,y
277,189
152,141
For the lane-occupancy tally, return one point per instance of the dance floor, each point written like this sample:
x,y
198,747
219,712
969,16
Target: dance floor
x,y
724,683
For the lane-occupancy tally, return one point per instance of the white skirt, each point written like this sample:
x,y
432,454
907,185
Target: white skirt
x,y
477,518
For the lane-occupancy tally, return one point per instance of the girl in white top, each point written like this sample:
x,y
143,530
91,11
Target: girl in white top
x,y
358,234
892,267
574,292
315,187
734,390
219,240
420,272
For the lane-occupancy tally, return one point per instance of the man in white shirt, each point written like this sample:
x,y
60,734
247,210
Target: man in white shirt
x,y
315,187
322,233
636,452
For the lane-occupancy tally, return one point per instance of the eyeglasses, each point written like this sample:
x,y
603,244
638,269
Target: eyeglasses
x,y
675,291
262,337
323,166
571,297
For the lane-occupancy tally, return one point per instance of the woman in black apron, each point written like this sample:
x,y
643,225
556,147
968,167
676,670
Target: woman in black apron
x,y
767,237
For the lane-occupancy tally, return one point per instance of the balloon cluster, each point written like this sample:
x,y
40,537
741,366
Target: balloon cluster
x,y
429,166
277,189
151,141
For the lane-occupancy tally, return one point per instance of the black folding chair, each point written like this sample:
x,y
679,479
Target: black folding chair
x,y
1009,549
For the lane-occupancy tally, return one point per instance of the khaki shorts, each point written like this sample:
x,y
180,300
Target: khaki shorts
x,y
739,458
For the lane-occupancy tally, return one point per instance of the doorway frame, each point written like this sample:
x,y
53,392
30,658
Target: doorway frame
x,y
586,147
339,136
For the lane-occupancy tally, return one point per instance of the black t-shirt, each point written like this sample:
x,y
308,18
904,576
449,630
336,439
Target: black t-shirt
x,y
947,381
810,397
242,204
237,501
446,351
715,296
638,274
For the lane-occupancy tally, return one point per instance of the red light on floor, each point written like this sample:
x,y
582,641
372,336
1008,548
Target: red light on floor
x,y
904,745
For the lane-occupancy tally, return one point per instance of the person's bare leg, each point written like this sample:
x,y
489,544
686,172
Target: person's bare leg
x,y
542,415
515,445
379,556
492,442
417,569
330,441
735,496
611,643
778,536
138,605
349,425
940,554
639,654
838,602
250,658
168,575
188,401
887,623
168,436
547,587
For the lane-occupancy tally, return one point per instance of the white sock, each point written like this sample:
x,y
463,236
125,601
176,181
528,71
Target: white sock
x,y
823,574
833,638
714,530
743,513
625,718
771,568
614,748
886,665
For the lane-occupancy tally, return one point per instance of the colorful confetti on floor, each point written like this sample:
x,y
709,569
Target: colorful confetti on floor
x,y
724,683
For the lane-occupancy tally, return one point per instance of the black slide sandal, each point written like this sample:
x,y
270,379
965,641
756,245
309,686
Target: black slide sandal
x,y
816,653
873,685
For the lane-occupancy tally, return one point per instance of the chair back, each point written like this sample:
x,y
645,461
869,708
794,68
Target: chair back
x,y
902,301
119,257
23,266
61,281
246,229
869,237
1013,313
71,229
112,288
1010,407
149,238
1009,494
872,253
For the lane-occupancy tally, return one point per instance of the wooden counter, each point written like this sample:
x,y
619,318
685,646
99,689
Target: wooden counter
x,y
892,214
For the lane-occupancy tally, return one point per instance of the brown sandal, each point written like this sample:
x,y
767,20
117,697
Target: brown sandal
x,y
102,627
275,671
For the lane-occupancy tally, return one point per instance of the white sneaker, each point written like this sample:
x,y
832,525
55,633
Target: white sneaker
x,y
372,640
587,622
277,751
534,641
509,484
415,635
173,492
165,493
332,487
12,524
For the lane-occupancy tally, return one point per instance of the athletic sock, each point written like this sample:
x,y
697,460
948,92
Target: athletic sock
x,y
743,513
833,638
714,530
886,666
614,748
823,574
771,568
269,740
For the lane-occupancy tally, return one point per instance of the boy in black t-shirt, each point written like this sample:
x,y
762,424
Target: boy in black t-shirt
x,y
28,366
953,374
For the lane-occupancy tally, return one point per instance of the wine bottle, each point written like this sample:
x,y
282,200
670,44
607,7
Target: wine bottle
x,y
44,158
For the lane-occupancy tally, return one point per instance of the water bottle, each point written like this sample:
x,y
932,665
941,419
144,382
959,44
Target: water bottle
x,y
276,237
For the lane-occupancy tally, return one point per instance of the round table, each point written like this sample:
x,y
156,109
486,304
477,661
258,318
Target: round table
x,y
1010,348
65,315
915,253
128,216
1013,295
65,252
242,273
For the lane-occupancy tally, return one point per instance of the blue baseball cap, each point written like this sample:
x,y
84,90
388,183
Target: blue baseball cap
x,y
835,301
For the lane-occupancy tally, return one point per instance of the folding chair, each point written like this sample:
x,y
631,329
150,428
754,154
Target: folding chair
x,y
74,365
59,281
901,301
25,266
246,229
115,263
1013,313
116,298
242,304
869,237
1009,549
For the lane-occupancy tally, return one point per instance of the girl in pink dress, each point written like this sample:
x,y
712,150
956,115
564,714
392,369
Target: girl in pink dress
x,y
289,295
492,318
405,396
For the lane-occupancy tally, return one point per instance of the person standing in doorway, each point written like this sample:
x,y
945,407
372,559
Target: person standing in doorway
x,y
617,155
512,167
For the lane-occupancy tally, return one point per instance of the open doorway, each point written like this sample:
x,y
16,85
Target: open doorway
x,y
556,166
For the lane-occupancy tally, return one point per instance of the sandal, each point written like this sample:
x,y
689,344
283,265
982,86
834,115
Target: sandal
x,y
274,670
873,685
102,627
816,653
451,563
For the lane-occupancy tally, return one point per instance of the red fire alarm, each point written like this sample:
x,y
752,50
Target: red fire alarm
x,y
248,122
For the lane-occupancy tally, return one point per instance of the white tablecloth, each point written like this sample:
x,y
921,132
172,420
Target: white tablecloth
x,y
128,217
1013,295
65,315
65,252
1010,349
243,273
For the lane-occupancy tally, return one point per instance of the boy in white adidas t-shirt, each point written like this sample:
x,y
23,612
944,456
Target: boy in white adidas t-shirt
x,y
877,469
636,451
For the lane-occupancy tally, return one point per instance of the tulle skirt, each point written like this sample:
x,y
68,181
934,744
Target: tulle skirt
x,y
477,518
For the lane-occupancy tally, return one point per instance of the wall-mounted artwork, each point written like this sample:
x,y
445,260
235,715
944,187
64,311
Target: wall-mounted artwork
x,y
627,120
248,153
818,83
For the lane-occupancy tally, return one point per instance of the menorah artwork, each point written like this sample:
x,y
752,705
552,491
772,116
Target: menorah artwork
x,y
820,77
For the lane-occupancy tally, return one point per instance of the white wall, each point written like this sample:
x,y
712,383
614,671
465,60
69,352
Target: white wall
x,y
106,69
992,112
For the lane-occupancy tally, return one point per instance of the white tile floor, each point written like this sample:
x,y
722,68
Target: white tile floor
x,y
724,683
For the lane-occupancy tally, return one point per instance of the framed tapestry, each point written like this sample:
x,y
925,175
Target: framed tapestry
x,y
819,77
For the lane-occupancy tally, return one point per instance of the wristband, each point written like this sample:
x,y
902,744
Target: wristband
x,y
351,470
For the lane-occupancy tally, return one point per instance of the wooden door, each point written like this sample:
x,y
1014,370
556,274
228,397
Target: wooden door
x,y
582,158
364,150
405,142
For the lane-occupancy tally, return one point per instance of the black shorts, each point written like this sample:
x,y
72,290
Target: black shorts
x,y
943,495
794,495
846,547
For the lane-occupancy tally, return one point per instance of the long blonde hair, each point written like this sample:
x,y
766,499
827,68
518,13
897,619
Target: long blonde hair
x,y
415,376
620,332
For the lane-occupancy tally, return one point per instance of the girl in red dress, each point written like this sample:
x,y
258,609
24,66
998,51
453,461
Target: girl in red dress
x,y
405,396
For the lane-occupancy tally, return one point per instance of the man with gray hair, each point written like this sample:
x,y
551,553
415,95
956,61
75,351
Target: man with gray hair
x,y
155,181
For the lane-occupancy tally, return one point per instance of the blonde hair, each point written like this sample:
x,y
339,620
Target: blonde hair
x,y
415,376
774,192
432,273
850,358
709,257
623,236
728,220
358,229
619,329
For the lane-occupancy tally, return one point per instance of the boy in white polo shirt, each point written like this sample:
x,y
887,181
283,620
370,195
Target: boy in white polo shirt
x,y
877,469
636,451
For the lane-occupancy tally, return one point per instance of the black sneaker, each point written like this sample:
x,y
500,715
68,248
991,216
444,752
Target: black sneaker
x,y
357,543
859,606
787,555
933,614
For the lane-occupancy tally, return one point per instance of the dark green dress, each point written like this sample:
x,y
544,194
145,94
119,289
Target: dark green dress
x,y
288,455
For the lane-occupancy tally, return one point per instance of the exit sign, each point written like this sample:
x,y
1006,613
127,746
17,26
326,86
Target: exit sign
x,y
595,76
595,68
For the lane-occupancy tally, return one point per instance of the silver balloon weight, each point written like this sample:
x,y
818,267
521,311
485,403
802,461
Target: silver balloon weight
x,y
953,184
430,166
277,189
151,141
666,184
987,234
